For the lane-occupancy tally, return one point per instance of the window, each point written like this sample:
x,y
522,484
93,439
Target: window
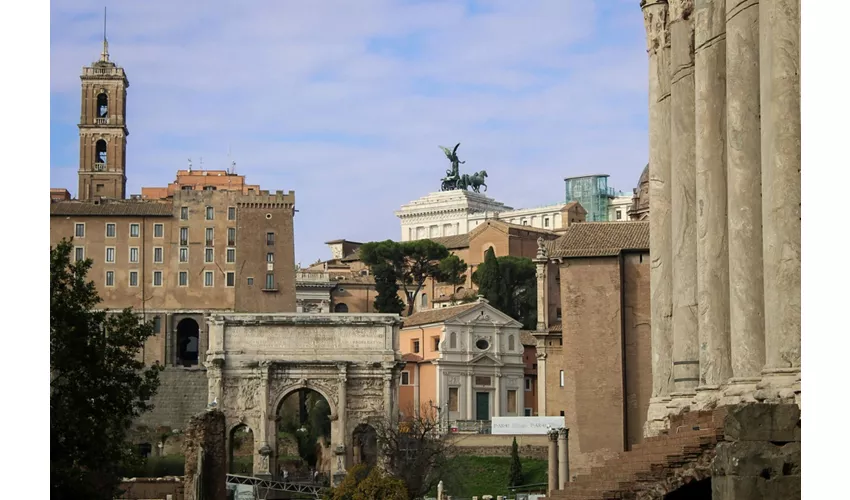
x,y
184,254
208,255
424,300
405,378
231,255
209,188
453,399
157,324
208,278
184,236
269,239
482,381
250,281
157,255
157,278
534,366
110,230
546,222
270,257
524,222
209,233
562,413
415,346
134,278
453,340
230,278
436,344
183,278
134,230
270,281
562,378
482,344
134,255
110,278
512,401
231,213
100,155
511,343
210,213
558,313
79,254
110,254
528,412
619,214
184,213
158,230
231,236
102,105
80,230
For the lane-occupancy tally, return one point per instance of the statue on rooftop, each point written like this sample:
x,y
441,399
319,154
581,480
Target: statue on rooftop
x,y
453,177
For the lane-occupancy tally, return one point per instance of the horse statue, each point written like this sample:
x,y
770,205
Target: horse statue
x,y
475,181
450,181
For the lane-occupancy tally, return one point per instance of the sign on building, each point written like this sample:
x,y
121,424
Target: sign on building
x,y
525,425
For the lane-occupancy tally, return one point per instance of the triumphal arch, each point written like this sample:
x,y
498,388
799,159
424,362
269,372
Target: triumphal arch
x,y
255,361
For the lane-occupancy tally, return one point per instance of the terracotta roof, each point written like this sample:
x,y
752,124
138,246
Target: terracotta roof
x,y
529,228
556,328
597,239
453,242
352,257
527,338
127,208
410,357
436,315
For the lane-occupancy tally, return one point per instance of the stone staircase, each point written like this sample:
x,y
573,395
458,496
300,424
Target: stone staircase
x,y
657,466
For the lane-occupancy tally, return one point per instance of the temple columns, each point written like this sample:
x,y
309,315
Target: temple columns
x,y
683,179
658,48
779,33
715,366
743,161
553,460
563,458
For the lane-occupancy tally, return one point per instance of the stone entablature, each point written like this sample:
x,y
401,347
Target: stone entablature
x,y
256,360
444,213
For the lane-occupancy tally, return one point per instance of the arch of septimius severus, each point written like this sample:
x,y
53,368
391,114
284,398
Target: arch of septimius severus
x,y
724,127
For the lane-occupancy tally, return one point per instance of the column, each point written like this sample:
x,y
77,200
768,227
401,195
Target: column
x,y
263,467
655,15
743,163
542,299
497,400
469,409
682,149
553,460
342,388
712,245
563,458
388,395
541,377
779,45
416,403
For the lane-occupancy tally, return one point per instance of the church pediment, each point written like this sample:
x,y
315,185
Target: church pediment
x,y
484,314
485,359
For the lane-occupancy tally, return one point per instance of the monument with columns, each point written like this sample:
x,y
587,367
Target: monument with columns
x,y
724,141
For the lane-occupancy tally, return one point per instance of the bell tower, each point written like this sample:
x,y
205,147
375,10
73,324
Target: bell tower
x,y
103,128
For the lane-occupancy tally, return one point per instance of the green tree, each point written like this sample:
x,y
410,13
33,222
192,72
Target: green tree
x,y
413,262
386,284
98,386
361,483
453,271
515,478
510,285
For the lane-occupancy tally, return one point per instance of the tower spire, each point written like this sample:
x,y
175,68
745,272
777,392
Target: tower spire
x,y
104,56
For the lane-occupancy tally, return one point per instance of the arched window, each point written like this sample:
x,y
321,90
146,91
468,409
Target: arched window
x,y
100,152
188,337
340,308
511,343
424,301
102,105
453,340
459,289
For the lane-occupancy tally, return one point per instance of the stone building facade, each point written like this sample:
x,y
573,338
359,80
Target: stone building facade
x,y
465,360
724,141
208,242
594,360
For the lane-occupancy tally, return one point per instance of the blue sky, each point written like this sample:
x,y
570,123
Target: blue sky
x,y
345,102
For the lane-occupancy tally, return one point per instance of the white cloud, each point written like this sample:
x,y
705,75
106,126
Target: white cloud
x,y
534,90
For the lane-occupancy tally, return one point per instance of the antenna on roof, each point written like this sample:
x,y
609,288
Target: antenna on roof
x,y
104,56
190,164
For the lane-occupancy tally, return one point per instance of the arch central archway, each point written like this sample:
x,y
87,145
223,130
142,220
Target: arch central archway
x,y
188,342
303,434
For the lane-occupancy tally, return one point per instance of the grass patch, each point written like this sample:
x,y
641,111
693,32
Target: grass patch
x,y
476,476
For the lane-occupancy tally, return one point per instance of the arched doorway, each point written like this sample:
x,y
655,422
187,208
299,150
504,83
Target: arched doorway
x,y
365,445
340,308
188,342
242,451
303,428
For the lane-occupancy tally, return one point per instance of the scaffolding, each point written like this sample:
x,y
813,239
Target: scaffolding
x,y
593,193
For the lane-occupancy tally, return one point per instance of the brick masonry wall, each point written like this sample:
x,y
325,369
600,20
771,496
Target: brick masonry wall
x,y
489,445
152,488
182,393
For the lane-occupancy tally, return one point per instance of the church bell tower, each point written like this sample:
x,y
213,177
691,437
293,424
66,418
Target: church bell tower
x,y
103,129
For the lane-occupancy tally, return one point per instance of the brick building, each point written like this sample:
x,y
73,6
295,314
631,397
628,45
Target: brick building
x,y
594,359
206,242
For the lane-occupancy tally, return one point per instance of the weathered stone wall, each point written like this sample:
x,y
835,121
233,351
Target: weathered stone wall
x,y
761,455
150,488
206,457
489,445
182,393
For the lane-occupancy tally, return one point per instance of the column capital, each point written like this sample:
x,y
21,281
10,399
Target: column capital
x,y
553,435
563,433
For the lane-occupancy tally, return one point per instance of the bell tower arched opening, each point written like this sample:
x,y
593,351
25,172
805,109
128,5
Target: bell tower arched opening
x,y
102,105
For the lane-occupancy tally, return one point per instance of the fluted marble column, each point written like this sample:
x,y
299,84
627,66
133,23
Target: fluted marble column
x,y
779,33
712,244
553,460
262,467
563,458
655,15
682,147
342,388
541,378
743,164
